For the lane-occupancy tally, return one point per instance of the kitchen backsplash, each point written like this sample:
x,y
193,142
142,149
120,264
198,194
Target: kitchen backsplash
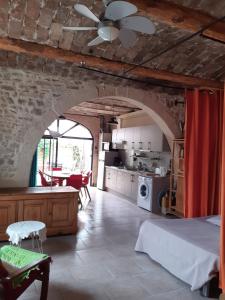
x,y
150,160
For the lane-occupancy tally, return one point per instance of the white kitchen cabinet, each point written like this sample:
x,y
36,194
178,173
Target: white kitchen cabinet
x,y
137,138
127,184
114,135
110,178
146,138
120,135
120,188
113,178
134,187
129,138
118,138
149,138
122,182
156,138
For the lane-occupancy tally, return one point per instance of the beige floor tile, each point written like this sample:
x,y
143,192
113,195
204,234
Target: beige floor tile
x,y
100,263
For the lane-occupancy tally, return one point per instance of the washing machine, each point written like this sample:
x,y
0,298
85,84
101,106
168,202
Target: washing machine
x,y
145,192
149,188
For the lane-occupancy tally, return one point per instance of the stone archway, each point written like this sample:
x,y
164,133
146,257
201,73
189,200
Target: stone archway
x,y
64,93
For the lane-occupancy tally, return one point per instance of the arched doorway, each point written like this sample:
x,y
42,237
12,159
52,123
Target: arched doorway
x,y
16,171
70,150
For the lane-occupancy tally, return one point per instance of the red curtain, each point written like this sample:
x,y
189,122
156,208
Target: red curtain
x,y
222,202
203,132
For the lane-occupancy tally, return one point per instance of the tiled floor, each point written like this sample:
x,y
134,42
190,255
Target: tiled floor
x,y
101,264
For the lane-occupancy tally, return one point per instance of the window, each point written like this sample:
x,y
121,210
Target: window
x,y
72,151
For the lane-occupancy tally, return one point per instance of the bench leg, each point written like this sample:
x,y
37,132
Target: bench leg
x,y
45,281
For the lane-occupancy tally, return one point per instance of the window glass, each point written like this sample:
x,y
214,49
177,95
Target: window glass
x,y
53,126
75,155
65,125
72,152
79,131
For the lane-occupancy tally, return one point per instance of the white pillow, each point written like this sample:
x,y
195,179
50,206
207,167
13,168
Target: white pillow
x,y
214,220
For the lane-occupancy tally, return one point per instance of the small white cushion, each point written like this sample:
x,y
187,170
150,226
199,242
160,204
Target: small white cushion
x,y
216,220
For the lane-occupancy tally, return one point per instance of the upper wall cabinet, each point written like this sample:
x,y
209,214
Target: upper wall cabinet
x,y
149,138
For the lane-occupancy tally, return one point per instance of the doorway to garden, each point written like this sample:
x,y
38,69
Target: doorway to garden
x,y
66,146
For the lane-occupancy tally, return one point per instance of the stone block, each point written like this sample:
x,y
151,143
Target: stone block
x,y
52,4
15,28
30,22
42,34
55,31
3,23
4,5
66,40
33,9
29,28
18,9
45,19
62,15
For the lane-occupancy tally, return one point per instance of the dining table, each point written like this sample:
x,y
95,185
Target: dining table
x,y
60,176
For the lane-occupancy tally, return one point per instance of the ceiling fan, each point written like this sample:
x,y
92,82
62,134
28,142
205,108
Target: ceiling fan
x,y
115,22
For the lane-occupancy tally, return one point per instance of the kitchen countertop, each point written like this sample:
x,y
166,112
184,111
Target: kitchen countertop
x,y
134,172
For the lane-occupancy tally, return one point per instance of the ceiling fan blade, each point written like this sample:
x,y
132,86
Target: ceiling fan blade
x,y
79,28
119,9
85,11
138,23
127,37
98,40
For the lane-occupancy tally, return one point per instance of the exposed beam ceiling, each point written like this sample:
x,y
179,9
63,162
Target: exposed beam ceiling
x,y
104,65
78,113
108,109
114,102
182,17
97,111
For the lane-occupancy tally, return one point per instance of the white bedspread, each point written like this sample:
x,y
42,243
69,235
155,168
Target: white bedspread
x,y
188,248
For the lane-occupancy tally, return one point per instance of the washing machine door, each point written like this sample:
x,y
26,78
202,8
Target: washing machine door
x,y
143,191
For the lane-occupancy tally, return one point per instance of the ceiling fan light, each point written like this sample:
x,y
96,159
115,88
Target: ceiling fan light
x,y
108,33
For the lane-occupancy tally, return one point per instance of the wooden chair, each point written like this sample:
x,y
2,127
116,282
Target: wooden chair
x,y
39,270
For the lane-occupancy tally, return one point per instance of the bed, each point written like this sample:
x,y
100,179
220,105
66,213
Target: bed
x,y
187,248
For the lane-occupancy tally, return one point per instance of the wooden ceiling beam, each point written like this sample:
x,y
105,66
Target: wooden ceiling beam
x,y
105,65
95,111
67,114
182,17
97,106
114,102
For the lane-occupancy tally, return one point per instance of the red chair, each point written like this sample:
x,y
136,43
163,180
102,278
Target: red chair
x,y
57,180
75,181
85,181
57,169
44,182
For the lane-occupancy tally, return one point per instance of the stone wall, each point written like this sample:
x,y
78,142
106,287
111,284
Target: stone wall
x,y
26,101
